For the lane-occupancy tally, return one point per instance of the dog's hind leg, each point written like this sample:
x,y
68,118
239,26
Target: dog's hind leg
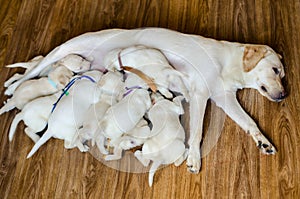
x,y
100,143
47,135
32,134
141,158
152,171
12,79
14,125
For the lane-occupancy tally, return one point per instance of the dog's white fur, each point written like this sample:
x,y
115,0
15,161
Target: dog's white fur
x,y
35,115
124,115
214,70
73,62
69,113
111,86
152,63
166,144
35,88
135,137
27,65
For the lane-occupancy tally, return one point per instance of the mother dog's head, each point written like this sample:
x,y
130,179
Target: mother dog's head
x,y
264,71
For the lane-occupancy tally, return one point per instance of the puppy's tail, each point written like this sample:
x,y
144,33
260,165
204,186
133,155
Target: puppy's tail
x,y
47,135
152,171
14,125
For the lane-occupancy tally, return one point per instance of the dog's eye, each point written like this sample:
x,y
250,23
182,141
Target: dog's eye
x,y
276,71
264,89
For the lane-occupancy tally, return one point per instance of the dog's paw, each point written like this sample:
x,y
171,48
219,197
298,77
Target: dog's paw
x,y
193,162
8,92
266,147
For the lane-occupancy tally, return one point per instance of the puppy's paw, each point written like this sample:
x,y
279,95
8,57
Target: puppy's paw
x,y
9,91
266,147
193,162
86,148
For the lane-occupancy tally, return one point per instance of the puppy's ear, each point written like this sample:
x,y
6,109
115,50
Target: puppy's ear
x,y
252,55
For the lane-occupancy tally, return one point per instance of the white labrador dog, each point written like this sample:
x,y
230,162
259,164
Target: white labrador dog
x,y
214,70
152,63
69,113
35,115
73,62
166,144
32,89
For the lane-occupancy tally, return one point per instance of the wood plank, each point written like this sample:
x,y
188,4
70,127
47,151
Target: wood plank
x,y
233,169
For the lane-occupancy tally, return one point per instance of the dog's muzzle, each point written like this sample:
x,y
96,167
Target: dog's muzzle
x,y
281,96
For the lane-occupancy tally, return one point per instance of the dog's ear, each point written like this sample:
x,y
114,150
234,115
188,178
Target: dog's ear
x,y
252,55
279,55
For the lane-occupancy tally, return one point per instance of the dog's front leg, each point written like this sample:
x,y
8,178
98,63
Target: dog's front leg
x,y
197,109
229,103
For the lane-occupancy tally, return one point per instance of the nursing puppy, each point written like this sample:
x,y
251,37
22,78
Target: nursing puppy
x,y
31,89
166,142
73,62
214,70
123,116
152,63
35,115
69,113
110,86
135,137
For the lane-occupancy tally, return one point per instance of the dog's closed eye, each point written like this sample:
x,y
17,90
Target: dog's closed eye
x,y
276,70
264,89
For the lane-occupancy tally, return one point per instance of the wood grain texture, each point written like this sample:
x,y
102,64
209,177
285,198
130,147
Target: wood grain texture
x,y
233,169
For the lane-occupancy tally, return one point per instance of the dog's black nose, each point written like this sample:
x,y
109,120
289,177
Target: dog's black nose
x,y
282,95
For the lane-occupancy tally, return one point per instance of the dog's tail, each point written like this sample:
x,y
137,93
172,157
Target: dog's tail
x,y
14,125
30,64
52,57
7,107
47,135
152,171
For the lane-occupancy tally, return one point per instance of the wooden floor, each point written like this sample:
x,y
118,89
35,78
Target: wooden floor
x,y
233,169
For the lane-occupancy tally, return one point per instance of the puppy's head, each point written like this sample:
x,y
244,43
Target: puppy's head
x,y
264,71
75,63
61,76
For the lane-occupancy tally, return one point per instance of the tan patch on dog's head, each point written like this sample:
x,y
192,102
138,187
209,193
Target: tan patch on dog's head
x,y
252,55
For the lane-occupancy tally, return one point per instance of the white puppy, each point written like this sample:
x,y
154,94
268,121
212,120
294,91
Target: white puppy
x,y
73,62
69,113
110,86
35,115
135,137
31,89
152,63
123,116
166,144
